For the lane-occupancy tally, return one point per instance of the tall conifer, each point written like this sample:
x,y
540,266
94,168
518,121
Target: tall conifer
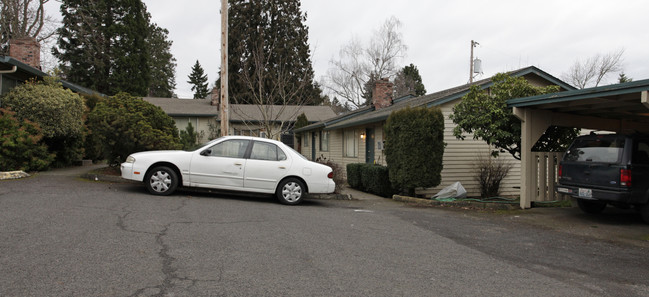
x,y
105,45
198,79
273,32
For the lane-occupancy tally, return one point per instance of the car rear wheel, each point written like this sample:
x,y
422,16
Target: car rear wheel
x,y
290,191
590,206
161,180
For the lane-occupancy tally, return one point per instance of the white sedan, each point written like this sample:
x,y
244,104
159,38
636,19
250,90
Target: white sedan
x,y
236,163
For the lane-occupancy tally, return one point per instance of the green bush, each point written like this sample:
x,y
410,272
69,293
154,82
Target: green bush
x,y
414,148
370,178
59,113
189,138
20,145
123,124
376,180
354,175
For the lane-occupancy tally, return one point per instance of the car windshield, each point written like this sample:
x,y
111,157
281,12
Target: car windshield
x,y
208,144
605,150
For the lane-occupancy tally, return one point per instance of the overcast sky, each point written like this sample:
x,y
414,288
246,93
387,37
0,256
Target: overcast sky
x,y
549,34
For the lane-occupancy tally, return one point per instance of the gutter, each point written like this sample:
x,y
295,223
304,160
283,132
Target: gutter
x,y
13,69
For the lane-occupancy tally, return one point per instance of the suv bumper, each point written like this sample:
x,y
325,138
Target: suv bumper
x,y
596,194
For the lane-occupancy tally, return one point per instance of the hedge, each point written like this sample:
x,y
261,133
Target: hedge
x,y
370,178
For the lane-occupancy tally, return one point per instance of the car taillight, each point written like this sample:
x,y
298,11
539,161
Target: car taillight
x,y
560,170
330,175
625,177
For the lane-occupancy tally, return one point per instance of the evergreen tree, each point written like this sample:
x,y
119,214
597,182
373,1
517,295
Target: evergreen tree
x,y
622,78
268,43
162,64
408,82
198,79
108,46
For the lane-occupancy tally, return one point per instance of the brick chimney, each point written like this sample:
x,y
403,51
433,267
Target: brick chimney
x,y
26,50
382,94
215,97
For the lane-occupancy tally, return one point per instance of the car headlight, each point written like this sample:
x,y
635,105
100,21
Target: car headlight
x,y
130,159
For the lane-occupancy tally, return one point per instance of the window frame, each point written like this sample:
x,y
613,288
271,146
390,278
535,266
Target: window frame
x,y
355,143
324,140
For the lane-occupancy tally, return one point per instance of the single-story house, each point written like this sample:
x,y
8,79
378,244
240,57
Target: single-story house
x,y
357,136
245,119
23,64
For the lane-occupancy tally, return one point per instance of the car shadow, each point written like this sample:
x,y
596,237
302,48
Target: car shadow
x,y
614,216
137,188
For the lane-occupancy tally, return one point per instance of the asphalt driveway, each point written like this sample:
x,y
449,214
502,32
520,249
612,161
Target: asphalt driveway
x,y
66,236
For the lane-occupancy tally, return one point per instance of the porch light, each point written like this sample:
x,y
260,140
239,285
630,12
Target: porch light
x,y
363,135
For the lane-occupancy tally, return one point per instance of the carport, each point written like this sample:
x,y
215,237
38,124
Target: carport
x,y
622,108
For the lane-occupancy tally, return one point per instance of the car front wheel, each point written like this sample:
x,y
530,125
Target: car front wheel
x,y
589,206
161,180
291,191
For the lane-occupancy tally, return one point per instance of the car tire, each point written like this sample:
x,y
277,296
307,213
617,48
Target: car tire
x,y
590,206
291,191
161,181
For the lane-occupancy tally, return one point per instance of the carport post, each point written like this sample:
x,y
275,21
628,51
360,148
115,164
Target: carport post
x,y
533,125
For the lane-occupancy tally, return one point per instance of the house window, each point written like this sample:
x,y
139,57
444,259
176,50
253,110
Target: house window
x,y
324,141
350,143
306,140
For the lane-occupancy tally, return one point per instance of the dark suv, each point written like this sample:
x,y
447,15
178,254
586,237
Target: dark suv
x,y
602,169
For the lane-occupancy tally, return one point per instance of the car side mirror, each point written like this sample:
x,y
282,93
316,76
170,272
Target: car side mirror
x,y
206,152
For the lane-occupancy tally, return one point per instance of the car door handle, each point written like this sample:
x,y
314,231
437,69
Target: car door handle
x,y
238,164
282,167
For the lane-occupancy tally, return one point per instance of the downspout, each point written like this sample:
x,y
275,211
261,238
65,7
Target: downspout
x,y
13,69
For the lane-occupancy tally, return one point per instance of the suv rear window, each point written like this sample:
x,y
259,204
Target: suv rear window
x,y
605,150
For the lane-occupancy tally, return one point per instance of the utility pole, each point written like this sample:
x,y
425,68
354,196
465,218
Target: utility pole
x,y
473,44
225,104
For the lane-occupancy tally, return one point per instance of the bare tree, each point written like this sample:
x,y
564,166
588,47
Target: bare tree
x,y
356,65
277,100
26,18
593,70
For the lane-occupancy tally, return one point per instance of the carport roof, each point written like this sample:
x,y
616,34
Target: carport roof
x,y
619,101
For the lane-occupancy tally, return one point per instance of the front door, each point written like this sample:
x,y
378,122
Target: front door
x,y
369,146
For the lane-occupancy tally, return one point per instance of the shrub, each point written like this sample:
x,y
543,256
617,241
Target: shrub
x,y
370,178
59,113
20,145
376,180
123,124
189,138
339,177
354,175
489,173
414,147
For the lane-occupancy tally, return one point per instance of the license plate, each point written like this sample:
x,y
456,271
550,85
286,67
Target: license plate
x,y
585,193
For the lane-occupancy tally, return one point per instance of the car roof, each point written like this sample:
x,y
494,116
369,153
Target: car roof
x,y
251,138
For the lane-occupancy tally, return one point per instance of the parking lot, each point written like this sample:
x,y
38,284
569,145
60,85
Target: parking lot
x,y
66,236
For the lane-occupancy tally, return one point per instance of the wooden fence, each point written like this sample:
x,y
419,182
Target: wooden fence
x,y
546,171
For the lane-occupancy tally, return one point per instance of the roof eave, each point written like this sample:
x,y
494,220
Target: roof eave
x,y
610,90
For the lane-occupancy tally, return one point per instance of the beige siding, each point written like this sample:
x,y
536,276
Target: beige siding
x,y
459,157
459,162
201,125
